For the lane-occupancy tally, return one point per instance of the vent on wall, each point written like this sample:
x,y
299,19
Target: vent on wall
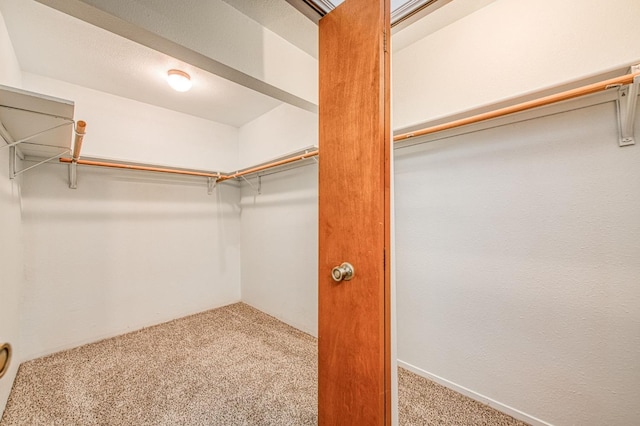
x,y
5,358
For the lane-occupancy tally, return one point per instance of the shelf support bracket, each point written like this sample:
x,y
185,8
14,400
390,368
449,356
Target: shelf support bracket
x,y
211,184
13,151
12,167
627,102
28,138
257,190
12,161
73,175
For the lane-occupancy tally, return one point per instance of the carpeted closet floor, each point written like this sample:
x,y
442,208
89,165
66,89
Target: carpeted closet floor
x,y
229,366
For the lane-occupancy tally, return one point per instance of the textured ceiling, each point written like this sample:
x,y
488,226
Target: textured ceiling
x,y
283,19
53,44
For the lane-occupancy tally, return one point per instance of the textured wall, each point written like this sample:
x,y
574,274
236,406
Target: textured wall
x,y
11,271
127,130
9,66
510,48
515,283
11,267
279,235
282,130
123,251
279,227
516,266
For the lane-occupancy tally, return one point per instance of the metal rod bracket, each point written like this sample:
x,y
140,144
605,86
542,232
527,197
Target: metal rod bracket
x,y
73,175
626,103
12,162
257,190
211,184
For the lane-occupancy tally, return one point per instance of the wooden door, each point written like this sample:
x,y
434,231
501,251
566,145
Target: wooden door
x,y
354,208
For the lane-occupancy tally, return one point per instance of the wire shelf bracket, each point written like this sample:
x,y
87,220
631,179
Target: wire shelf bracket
x,y
13,152
34,125
626,103
15,173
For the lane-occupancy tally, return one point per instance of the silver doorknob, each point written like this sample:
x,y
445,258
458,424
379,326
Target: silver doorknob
x,y
342,272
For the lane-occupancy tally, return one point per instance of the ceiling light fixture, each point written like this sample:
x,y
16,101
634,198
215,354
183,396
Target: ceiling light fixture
x,y
179,80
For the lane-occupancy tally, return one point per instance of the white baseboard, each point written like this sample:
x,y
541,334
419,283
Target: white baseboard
x,y
515,413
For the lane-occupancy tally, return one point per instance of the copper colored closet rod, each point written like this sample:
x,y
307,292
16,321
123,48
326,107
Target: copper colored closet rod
x,y
268,166
218,176
143,168
558,97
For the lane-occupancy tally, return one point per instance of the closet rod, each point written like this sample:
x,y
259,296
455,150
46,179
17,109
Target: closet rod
x,y
218,176
546,100
268,166
143,168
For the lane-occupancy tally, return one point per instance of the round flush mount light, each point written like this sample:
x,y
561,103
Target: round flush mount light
x,y
179,80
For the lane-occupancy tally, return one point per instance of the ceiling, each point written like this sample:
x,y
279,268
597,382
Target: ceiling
x,y
50,43
56,45
278,16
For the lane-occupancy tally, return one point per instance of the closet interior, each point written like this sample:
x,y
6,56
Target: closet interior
x,y
126,206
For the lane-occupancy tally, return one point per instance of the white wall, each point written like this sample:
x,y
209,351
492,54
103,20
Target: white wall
x,y
12,275
11,266
127,250
12,271
513,276
517,270
127,130
279,226
282,130
279,237
10,74
511,48
123,251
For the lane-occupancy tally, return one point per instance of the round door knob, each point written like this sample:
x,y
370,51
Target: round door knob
x,y
342,272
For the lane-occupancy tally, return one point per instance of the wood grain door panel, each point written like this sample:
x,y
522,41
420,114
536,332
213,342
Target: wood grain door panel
x,y
354,373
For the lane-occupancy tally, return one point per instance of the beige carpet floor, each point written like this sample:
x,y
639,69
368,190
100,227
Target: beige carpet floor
x,y
423,402
229,366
